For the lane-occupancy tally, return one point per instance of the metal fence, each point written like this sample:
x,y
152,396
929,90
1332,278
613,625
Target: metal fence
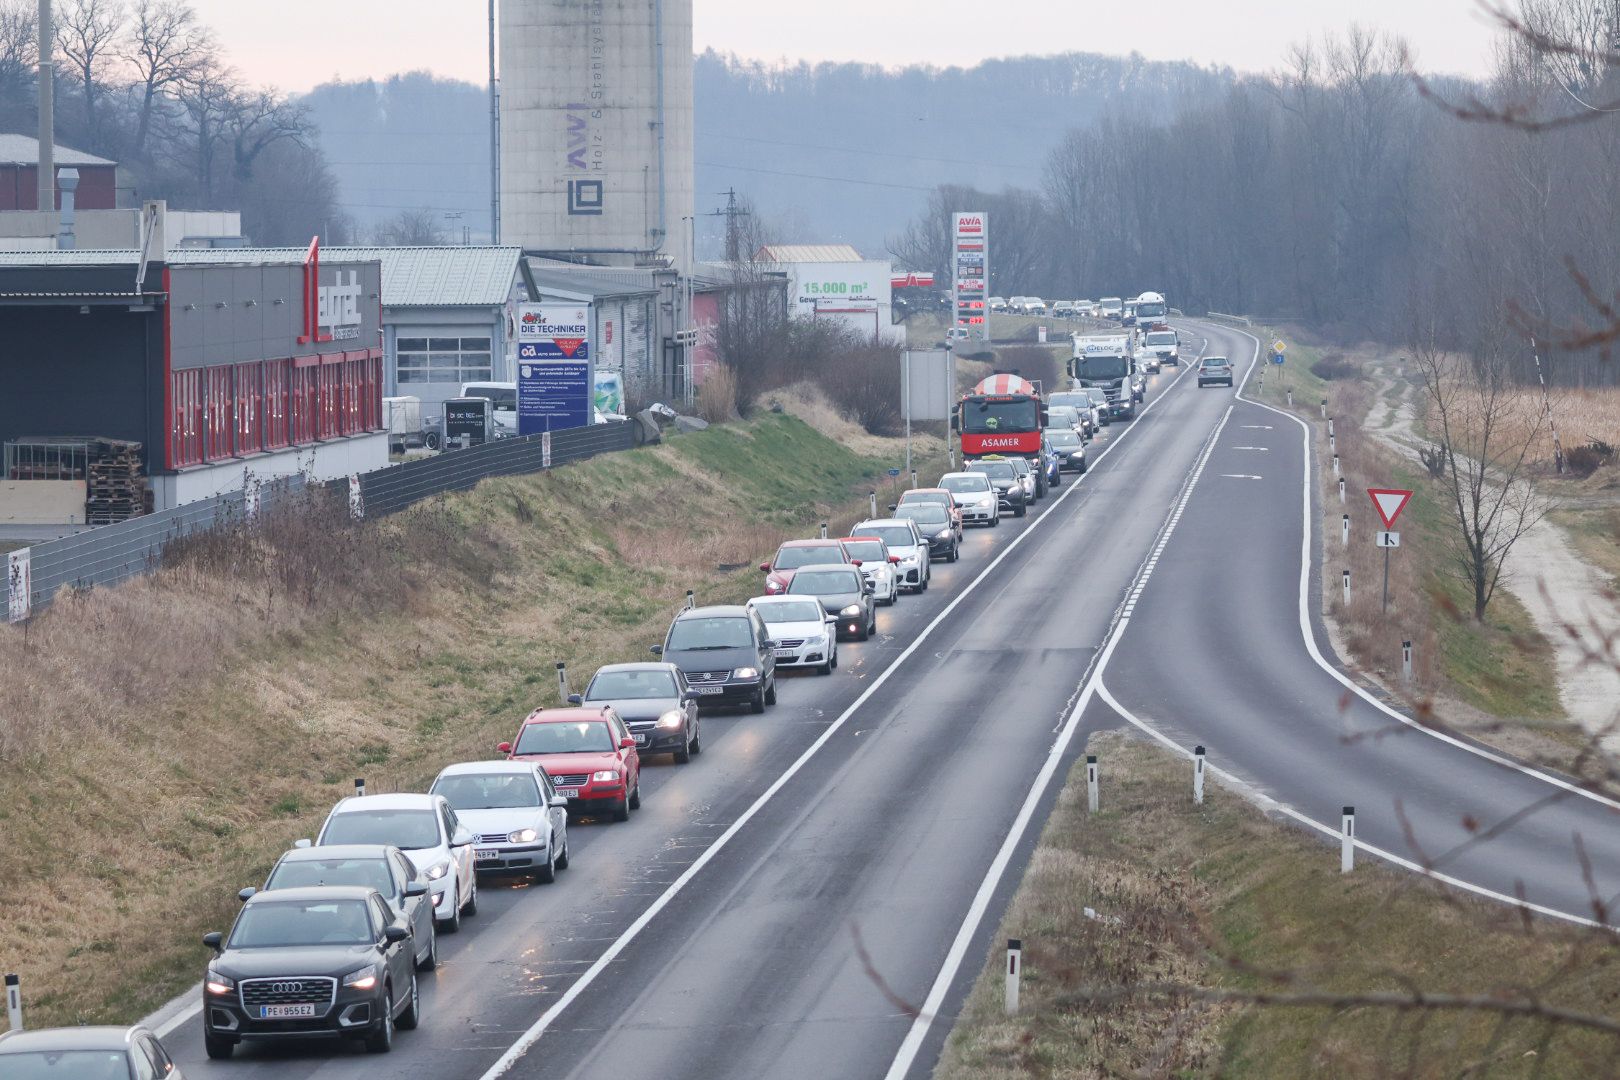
x,y
115,553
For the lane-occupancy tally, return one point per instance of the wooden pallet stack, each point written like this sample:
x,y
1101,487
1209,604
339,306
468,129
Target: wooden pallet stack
x,y
113,487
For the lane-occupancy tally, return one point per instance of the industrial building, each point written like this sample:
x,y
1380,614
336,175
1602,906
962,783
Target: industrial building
x,y
19,175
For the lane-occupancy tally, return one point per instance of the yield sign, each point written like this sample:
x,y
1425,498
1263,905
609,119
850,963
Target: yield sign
x,y
1389,502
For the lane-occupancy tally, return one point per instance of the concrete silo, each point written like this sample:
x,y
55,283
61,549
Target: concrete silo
x,y
596,128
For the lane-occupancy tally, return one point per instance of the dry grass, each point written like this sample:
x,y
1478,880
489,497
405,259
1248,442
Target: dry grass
x,y
182,730
1582,416
1217,897
717,397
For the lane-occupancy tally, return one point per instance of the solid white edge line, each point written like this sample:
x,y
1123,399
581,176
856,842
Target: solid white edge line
x,y
906,1056
1308,632
532,1035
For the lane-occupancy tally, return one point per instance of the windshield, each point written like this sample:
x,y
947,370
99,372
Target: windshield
x,y
491,791
1162,337
1073,399
1214,361
1062,437
865,550
796,611
408,829
996,470
825,582
293,924
299,873
791,558
980,417
719,632
609,685
1100,367
894,536
1062,414
1098,397
1151,311
584,737
926,514
67,1065
960,485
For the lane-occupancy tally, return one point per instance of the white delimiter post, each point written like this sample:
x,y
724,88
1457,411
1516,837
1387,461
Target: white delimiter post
x,y
1091,782
1347,588
1341,491
824,530
562,676
1324,408
1015,965
1330,427
14,1001
360,786
1406,660
871,499
1198,775
1333,445
1345,540
1336,467
1347,840
691,598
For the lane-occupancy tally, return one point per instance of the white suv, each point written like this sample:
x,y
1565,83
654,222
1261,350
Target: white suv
x,y
974,496
426,829
519,821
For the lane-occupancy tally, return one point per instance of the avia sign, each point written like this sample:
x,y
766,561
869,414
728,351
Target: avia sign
x,y
1389,502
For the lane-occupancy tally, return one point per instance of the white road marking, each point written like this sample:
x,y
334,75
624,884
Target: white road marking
x,y
1241,476
1262,449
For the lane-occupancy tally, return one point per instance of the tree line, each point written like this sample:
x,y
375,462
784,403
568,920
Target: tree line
x,y
145,83
1347,193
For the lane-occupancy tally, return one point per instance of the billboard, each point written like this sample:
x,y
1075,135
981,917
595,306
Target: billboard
x,y
970,248
556,378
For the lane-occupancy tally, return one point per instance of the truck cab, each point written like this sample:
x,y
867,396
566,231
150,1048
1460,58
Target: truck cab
x,y
1107,362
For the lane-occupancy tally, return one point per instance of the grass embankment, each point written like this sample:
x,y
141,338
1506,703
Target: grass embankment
x,y
1501,666
1218,897
162,742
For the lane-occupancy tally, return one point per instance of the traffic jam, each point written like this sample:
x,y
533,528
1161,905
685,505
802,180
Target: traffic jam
x,y
334,942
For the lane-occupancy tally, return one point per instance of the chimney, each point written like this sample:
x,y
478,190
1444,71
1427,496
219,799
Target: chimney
x,y
47,123
69,179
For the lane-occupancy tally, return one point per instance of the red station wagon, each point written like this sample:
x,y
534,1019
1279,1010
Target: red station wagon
x,y
588,753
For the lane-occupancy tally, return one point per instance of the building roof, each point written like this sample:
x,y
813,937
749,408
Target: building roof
x,y
809,253
441,276
589,286
24,150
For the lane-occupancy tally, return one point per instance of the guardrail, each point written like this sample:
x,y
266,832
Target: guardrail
x,y
115,553
1240,320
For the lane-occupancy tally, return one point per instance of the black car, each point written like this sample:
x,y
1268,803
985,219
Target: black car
x,y
383,867
726,654
1069,448
654,702
937,524
1009,487
844,594
327,962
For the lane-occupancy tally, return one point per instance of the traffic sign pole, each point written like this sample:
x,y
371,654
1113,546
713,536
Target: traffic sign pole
x,y
1386,580
1389,502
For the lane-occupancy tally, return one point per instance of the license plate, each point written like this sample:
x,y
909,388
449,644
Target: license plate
x,y
787,653
707,689
568,792
285,1012
488,854
641,740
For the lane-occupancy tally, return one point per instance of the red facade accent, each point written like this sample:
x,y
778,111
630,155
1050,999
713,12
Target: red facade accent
x,y
277,403
185,418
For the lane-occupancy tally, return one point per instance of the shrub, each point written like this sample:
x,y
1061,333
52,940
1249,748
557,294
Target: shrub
x,y
717,396
1033,362
1334,366
1585,460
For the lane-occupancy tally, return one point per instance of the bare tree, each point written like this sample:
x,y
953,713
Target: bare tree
x,y
258,120
166,46
87,32
411,228
1484,431
208,95
19,53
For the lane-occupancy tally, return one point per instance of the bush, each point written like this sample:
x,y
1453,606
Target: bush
x,y
1334,366
1033,362
1583,461
863,381
717,396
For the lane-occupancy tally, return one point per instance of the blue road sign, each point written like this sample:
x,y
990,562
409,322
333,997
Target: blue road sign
x,y
1276,358
894,472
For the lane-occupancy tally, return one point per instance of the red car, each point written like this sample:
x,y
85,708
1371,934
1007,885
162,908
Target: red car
x,y
588,753
794,554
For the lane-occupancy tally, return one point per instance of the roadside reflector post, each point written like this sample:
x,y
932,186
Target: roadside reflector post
x,y
14,1001
823,536
1330,427
1347,840
1406,660
1015,969
1324,408
1336,471
1091,782
871,498
562,678
1341,491
1346,536
913,477
1333,443
360,785
1290,398
1198,775
691,600
1347,588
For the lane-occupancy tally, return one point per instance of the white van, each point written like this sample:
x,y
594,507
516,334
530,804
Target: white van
x,y
503,404
1112,307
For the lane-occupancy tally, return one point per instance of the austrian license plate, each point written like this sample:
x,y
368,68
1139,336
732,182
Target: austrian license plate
x,y
568,792
285,1012
488,854
707,689
787,653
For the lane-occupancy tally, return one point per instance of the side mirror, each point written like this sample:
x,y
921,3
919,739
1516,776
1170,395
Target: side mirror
x,y
830,618
503,748
393,935
866,587
304,843
765,567
559,802
770,643
894,558
854,562
246,894
627,743
893,507
657,650
461,839
214,940
415,888
575,699
691,695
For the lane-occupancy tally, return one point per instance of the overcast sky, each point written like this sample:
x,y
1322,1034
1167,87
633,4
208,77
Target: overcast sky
x,y
295,44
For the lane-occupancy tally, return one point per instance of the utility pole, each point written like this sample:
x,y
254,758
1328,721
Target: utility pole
x,y
733,215
47,122
494,137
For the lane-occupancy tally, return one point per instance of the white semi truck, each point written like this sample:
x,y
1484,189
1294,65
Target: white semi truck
x,y
1107,362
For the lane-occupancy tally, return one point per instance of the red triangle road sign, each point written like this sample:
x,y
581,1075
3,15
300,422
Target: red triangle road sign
x,y
1389,502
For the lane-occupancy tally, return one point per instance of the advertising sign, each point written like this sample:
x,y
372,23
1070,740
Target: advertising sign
x,y
467,421
19,584
556,384
971,250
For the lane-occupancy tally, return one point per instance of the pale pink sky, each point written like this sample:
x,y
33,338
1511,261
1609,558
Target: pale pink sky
x,y
295,44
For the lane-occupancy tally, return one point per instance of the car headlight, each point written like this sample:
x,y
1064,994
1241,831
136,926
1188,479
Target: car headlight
x,y
672,719
851,611
745,673
361,978
523,836
1078,455
773,586
217,983
944,534
437,870
605,775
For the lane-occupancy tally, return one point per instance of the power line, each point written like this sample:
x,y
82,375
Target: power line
x,y
866,153
814,176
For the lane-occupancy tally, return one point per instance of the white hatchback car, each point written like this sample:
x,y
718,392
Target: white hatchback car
x,y
805,635
520,822
426,829
974,496
904,539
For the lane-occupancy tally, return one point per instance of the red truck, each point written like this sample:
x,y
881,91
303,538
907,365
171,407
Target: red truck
x,y
1001,415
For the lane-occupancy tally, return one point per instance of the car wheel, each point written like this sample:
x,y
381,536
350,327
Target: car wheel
x,y
635,794
412,1016
770,693
472,899
995,522
219,1047
453,923
956,552
382,1040
431,960
621,810
548,873
1020,511
825,669
697,737
562,860
684,754
832,663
